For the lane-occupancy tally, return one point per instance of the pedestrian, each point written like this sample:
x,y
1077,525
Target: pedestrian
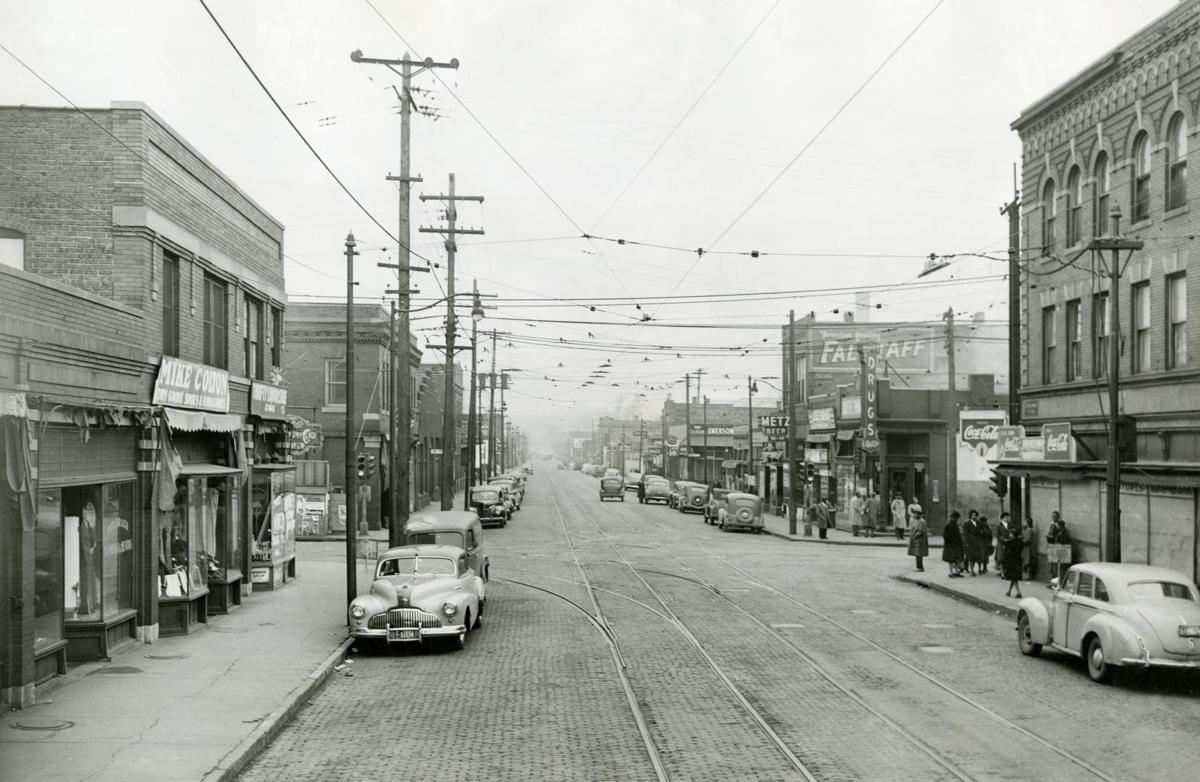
x,y
952,545
983,538
897,509
641,489
970,535
857,506
1004,532
913,508
822,515
871,515
1029,549
1012,564
1058,552
918,539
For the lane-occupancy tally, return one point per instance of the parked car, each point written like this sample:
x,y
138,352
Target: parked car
x,y
1115,615
632,479
676,492
419,593
611,471
612,486
715,505
743,511
510,487
693,498
462,528
658,489
489,505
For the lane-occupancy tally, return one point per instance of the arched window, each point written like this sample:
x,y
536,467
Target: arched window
x,y
1141,178
1074,205
1049,212
1177,162
12,248
1102,181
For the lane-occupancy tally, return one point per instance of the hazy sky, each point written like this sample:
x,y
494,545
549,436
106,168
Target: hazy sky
x,y
570,100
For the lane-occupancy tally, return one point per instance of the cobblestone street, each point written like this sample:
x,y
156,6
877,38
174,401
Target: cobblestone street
x,y
748,657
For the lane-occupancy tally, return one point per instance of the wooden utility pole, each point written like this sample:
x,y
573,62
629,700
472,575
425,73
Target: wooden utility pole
x,y
951,418
699,373
400,427
351,477
790,395
492,450
687,418
450,231
1012,209
476,315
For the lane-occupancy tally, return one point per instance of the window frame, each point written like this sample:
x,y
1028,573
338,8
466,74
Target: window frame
x,y
1140,181
1101,333
330,383
1177,143
1049,215
1101,194
1049,343
13,258
253,358
276,337
1176,328
1074,206
216,322
1139,326
169,297
1074,335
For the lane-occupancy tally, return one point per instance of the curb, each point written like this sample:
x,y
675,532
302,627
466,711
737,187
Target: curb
x,y
979,602
236,760
834,542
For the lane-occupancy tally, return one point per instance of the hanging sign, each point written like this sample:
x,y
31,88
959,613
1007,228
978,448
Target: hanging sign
x,y
821,419
193,386
870,403
268,401
1057,443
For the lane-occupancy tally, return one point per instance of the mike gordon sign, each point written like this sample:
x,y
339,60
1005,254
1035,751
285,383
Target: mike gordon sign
x,y
193,386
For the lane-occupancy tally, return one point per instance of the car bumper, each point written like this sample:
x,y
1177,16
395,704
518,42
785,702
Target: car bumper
x,y
1161,662
743,525
422,632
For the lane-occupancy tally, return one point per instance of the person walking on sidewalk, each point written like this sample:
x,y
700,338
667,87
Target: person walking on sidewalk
x,y
1012,563
1028,549
871,514
918,539
898,515
914,508
1058,552
952,545
822,515
1004,533
970,536
857,506
641,490
983,537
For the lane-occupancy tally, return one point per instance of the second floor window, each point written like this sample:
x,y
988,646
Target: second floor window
x,y
1139,295
170,304
1141,178
276,337
1074,206
1074,341
1177,162
1177,354
1049,343
216,323
1100,335
335,381
1102,183
1049,212
254,339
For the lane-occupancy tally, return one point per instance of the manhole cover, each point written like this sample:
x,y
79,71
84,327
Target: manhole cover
x,y
788,626
115,669
939,627
168,656
862,611
42,724
936,649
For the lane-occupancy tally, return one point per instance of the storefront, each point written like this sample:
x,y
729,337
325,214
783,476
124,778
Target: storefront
x,y
273,499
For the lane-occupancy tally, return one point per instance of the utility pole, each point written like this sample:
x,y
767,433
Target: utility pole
x,y
450,232
952,419
699,373
472,420
1012,209
750,433
493,452
687,418
400,429
1115,243
503,439
641,449
351,435
790,394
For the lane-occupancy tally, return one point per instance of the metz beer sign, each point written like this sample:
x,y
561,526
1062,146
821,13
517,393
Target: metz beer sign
x,y
192,386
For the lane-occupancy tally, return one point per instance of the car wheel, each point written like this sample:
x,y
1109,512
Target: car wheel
x,y
478,618
1098,668
1025,637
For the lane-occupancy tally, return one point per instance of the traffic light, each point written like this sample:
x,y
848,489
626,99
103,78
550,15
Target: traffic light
x,y
362,465
808,471
999,484
372,462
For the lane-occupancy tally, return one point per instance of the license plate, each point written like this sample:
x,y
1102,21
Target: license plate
x,y
404,634
1189,631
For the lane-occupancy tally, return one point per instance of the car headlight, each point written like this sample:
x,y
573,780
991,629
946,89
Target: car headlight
x,y
357,611
449,609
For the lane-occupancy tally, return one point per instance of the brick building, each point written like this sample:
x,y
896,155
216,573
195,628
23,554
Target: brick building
x,y
141,300
1116,135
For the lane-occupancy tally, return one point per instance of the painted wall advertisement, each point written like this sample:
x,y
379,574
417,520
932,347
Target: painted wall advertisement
x,y
978,437
1055,443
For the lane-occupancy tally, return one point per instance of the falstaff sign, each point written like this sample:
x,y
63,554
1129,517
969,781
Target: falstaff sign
x,y
268,401
191,386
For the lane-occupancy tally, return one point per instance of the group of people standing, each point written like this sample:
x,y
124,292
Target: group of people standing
x,y
968,549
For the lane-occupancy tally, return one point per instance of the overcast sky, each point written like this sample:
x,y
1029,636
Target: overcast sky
x,y
556,108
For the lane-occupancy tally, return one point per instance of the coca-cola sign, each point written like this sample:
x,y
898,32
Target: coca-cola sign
x,y
980,429
1057,442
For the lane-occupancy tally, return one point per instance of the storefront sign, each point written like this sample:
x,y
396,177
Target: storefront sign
x,y
268,401
193,386
821,419
851,406
815,455
870,403
260,575
1008,443
1033,449
1057,443
980,429
304,436
672,441
716,430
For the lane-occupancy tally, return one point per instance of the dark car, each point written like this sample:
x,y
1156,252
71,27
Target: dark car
x,y
488,503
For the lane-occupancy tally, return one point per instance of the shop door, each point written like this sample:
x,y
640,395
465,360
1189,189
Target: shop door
x,y
899,482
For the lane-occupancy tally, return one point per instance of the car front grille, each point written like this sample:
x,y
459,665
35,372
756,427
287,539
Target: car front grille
x,y
412,617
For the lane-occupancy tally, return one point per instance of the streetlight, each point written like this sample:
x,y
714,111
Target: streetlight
x,y
751,390
472,414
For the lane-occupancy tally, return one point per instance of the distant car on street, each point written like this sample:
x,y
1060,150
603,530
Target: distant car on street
x,y
658,489
742,511
693,498
715,506
612,486
632,479
676,492
489,505
1116,615
420,593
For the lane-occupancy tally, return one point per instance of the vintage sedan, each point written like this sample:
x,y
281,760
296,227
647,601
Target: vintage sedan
x,y
488,503
677,488
742,511
715,506
693,498
510,489
420,593
462,528
1115,615
612,486
658,489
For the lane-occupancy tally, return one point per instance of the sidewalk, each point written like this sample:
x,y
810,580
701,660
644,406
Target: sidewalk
x,y
841,535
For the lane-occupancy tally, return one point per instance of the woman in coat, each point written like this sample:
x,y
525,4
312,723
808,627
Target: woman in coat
x,y
952,545
983,537
1011,561
822,515
970,537
918,539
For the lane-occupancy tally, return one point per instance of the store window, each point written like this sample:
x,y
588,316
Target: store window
x,y
1102,184
48,573
1177,354
1140,297
189,538
1074,341
216,323
273,515
335,381
1141,178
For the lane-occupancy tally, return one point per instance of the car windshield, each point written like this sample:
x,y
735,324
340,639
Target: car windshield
x,y
485,496
444,538
408,566
1141,590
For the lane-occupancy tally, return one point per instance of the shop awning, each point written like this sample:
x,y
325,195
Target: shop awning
x,y
846,435
818,438
203,468
201,421
278,467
